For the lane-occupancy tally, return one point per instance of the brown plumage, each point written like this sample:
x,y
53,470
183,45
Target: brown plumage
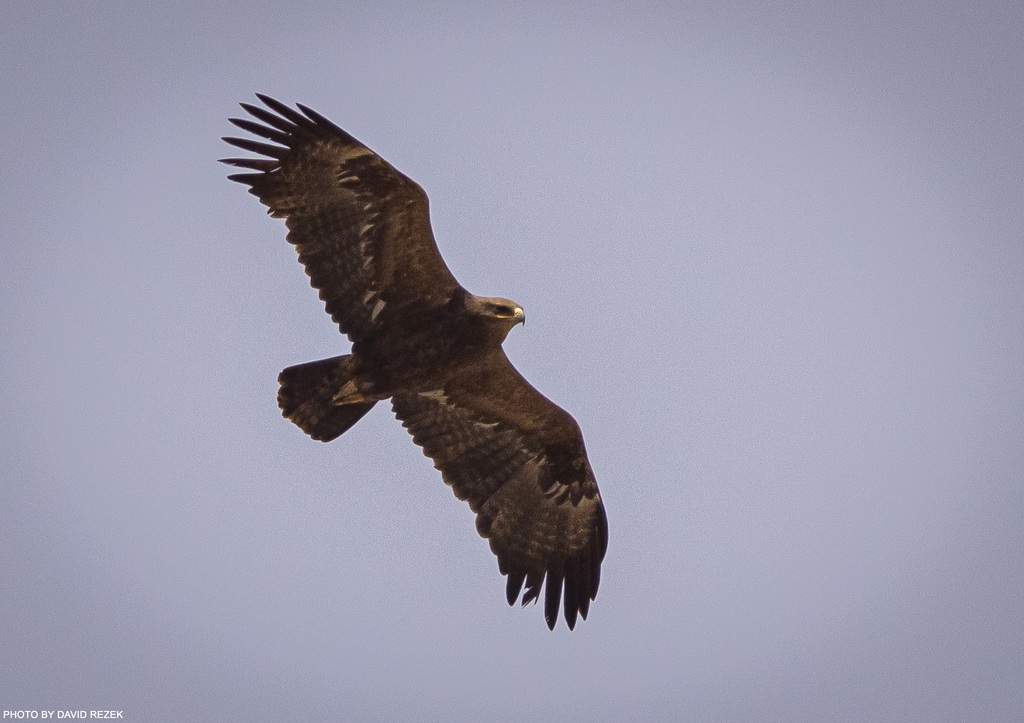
x,y
362,231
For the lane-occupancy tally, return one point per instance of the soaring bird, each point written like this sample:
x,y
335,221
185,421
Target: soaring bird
x,y
362,232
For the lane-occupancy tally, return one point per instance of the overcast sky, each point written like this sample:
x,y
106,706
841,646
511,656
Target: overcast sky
x,y
773,262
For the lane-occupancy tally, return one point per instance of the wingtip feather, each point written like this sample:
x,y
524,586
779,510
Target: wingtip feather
x,y
252,146
256,164
246,178
284,110
552,598
514,586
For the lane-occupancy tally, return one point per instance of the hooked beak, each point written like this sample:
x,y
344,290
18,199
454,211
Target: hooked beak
x,y
520,317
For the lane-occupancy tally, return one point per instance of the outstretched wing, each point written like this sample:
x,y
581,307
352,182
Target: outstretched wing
x,y
362,229
520,463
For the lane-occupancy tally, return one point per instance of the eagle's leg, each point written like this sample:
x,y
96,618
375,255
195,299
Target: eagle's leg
x,y
349,394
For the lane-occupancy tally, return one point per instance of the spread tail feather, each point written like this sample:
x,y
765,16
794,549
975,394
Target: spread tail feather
x,y
307,397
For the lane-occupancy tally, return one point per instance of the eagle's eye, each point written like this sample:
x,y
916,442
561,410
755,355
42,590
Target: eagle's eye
x,y
503,311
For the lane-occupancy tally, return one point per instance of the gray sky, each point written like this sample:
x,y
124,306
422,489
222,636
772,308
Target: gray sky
x,y
773,261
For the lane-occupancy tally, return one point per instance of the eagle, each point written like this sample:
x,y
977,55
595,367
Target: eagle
x,y
418,338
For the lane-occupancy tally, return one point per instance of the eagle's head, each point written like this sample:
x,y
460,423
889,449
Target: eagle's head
x,y
499,315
